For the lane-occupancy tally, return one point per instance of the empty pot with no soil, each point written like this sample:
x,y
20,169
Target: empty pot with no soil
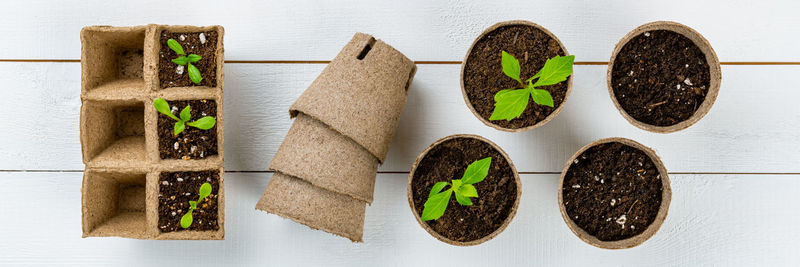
x,y
463,190
513,55
663,76
614,193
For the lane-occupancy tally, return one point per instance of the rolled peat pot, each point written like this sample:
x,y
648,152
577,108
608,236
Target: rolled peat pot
x,y
482,74
663,76
140,177
498,195
614,193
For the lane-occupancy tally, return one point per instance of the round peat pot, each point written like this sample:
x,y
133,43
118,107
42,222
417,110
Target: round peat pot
x,y
498,194
614,193
482,73
663,76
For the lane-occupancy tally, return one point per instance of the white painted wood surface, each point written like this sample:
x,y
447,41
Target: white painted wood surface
x,y
733,219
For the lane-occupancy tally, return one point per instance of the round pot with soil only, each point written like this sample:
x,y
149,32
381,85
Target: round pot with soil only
x,y
663,76
498,194
614,193
482,74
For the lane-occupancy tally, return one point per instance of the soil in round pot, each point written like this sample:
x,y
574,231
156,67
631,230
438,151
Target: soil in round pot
x,y
192,143
482,73
498,193
614,191
203,44
176,189
661,77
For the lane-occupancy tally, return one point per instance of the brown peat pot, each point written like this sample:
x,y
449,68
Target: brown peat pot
x,y
462,149
626,152
684,101
538,44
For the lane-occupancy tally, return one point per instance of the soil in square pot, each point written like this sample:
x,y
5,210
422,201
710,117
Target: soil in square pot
x,y
492,210
176,189
614,193
192,143
663,77
482,73
200,43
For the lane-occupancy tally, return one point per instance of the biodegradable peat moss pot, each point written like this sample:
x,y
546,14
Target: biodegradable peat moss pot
x,y
127,144
663,76
482,74
456,157
614,193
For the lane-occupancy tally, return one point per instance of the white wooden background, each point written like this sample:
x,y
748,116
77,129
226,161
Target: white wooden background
x,y
735,174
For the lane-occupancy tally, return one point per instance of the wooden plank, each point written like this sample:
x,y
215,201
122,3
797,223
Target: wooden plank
x,y
423,30
751,128
726,220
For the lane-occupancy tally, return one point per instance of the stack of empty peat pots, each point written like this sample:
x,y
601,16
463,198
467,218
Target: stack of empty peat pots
x,y
125,166
326,166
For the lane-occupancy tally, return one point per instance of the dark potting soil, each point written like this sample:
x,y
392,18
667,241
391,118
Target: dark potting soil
x,y
483,73
496,194
168,74
176,189
192,143
612,191
660,78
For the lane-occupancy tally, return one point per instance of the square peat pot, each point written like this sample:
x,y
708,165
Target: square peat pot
x,y
113,133
174,188
192,148
203,41
114,203
112,62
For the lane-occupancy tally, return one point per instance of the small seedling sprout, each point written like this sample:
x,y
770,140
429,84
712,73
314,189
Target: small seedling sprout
x,y
184,60
463,189
510,103
203,123
187,219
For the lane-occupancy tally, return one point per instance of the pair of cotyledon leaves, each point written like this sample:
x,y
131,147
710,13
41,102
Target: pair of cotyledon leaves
x,y
186,60
203,123
510,103
187,218
463,189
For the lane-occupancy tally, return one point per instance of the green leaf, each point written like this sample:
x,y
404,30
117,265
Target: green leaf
x,y
203,123
437,187
555,70
510,66
186,113
186,220
181,60
163,107
463,200
194,74
193,204
542,97
457,185
468,190
205,190
175,46
179,127
510,104
435,205
194,58
477,171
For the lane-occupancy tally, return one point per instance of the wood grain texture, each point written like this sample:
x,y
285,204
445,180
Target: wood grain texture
x,y
423,30
724,220
753,127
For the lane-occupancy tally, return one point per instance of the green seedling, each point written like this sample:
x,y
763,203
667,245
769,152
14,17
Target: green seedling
x,y
510,103
186,60
203,123
187,219
463,189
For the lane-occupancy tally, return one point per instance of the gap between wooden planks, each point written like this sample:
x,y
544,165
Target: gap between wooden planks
x,y
756,63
